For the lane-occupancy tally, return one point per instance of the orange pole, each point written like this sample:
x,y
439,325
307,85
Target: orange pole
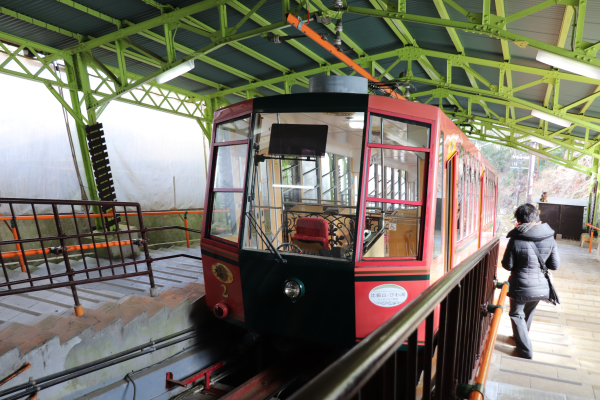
x,y
23,368
18,246
8,254
303,27
109,215
591,239
489,346
187,234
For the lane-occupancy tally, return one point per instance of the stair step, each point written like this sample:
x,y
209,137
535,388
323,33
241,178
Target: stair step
x,y
25,336
151,305
125,311
96,318
193,291
65,328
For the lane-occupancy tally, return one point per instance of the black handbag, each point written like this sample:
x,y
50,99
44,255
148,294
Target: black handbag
x,y
552,296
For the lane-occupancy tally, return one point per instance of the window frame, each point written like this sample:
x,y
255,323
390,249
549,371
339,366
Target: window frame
x,y
420,259
212,190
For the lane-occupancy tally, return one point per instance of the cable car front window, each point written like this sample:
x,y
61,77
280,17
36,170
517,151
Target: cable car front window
x,y
312,162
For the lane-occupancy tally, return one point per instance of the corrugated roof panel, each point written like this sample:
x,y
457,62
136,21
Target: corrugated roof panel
x,y
132,10
61,15
35,33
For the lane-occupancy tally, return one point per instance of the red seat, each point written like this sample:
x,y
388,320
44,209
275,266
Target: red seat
x,y
312,230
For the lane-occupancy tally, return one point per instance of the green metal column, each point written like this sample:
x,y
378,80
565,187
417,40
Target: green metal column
x,y
75,77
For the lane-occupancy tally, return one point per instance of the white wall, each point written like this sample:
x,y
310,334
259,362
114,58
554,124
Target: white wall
x,y
146,150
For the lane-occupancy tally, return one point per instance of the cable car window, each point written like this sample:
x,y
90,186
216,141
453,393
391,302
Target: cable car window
x,y
392,227
439,203
230,166
312,194
232,130
399,132
226,214
229,178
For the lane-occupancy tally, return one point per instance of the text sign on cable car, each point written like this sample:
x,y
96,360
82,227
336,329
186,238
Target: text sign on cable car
x,y
388,295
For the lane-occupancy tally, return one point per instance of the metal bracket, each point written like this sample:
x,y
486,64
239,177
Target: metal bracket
x,y
463,390
500,284
491,308
205,373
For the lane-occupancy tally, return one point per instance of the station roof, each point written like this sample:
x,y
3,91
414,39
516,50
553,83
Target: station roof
x,y
480,65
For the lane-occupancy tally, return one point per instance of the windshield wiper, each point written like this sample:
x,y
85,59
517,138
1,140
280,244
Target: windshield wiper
x,y
265,239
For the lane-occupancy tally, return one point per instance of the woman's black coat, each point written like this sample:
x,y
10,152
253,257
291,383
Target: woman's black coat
x,y
527,282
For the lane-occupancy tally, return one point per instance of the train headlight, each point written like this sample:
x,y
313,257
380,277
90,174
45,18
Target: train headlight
x,y
293,289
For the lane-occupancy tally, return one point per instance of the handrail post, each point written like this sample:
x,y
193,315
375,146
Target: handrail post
x,y
478,386
591,239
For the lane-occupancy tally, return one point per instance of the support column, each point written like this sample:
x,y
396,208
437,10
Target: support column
x,y
592,196
73,69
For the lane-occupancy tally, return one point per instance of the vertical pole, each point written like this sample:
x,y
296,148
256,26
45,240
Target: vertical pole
x,y
78,79
63,245
530,178
518,181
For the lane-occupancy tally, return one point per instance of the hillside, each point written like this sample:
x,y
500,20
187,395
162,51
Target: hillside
x,y
557,180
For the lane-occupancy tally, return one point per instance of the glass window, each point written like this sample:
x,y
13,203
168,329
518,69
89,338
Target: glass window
x,y
398,132
229,176
392,233
311,196
230,167
233,130
225,222
439,203
411,167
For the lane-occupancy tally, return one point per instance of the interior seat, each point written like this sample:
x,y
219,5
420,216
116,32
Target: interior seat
x,y
312,235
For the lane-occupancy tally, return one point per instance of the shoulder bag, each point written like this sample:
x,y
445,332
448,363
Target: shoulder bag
x,y
553,296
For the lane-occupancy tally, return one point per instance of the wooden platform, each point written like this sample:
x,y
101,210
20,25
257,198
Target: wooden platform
x,y
566,338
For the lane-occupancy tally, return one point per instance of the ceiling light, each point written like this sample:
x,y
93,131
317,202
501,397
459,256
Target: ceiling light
x,y
543,142
175,72
567,64
357,124
551,118
294,186
540,155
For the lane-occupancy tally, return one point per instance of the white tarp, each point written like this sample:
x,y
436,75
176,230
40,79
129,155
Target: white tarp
x,y
146,149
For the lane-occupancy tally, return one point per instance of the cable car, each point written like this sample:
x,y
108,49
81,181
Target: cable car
x,y
326,212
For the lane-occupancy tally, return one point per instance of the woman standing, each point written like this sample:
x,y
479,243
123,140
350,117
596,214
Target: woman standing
x,y
528,284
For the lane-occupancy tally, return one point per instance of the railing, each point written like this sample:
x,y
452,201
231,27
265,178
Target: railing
x,y
65,240
592,227
391,364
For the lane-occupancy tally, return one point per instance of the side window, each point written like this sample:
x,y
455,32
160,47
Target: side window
x,y
398,154
460,195
438,244
230,154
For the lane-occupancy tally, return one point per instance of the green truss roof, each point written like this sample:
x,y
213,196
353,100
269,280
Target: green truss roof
x,y
474,58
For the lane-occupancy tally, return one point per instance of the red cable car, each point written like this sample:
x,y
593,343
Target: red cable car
x,y
327,213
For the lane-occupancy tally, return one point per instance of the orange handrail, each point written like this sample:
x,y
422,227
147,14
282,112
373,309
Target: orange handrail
x,y
107,215
591,235
489,346
309,32
8,254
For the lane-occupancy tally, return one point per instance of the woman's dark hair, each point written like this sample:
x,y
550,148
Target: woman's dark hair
x,y
526,213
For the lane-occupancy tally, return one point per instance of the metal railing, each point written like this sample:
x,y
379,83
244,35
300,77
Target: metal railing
x,y
404,356
66,240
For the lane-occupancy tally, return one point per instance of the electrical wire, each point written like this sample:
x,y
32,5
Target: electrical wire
x,y
130,378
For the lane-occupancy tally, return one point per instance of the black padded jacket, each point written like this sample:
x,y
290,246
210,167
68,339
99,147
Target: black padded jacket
x,y
527,282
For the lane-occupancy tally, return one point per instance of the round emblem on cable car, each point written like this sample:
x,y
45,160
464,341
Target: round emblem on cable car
x,y
222,273
388,295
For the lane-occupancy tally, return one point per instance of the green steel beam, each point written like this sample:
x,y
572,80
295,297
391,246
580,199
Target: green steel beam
x,y
166,18
215,45
493,29
407,39
239,7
